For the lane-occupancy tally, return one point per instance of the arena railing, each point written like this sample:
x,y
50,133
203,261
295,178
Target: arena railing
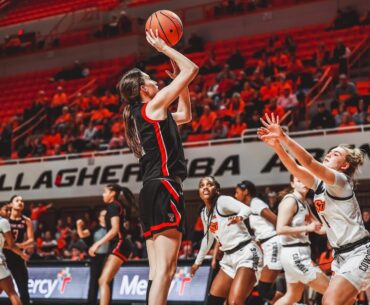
x,y
248,135
21,131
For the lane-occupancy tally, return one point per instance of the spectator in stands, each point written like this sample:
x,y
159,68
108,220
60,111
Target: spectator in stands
x,y
323,119
48,246
209,64
268,67
219,130
6,140
195,43
345,120
226,73
90,135
254,121
110,101
58,100
288,100
117,141
100,113
340,56
105,132
321,56
206,120
345,94
125,23
236,60
237,127
290,44
77,243
39,149
112,27
37,211
235,105
346,18
64,119
186,250
247,93
268,91
78,70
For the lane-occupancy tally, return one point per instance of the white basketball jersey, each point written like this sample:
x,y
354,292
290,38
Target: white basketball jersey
x,y
229,236
262,227
4,228
300,218
341,216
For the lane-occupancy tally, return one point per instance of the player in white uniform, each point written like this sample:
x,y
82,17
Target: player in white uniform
x,y
223,219
263,222
6,237
295,221
336,205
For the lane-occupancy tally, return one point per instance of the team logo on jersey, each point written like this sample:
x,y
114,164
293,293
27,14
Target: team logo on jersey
x,y
171,216
319,205
213,227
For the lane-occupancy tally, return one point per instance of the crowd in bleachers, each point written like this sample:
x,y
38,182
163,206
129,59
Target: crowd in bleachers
x,y
227,99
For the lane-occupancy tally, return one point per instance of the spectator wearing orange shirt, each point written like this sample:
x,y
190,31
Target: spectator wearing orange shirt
x,y
247,93
268,91
60,98
99,114
237,127
37,211
272,107
110,101
52,138
207,120
63,120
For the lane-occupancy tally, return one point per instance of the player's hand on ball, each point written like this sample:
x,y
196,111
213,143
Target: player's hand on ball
x,y
235,219
155,41
194,269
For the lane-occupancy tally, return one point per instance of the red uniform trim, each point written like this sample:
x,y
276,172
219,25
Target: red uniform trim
x,y
158,134
171,189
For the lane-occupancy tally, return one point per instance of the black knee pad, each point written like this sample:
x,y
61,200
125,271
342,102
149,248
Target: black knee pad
x,y
266,290
213,300
281,284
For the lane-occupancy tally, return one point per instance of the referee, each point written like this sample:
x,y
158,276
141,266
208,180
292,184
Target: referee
x,y
97,261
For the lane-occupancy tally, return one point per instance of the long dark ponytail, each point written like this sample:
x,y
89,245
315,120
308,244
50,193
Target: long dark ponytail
x,y
125,197
129,89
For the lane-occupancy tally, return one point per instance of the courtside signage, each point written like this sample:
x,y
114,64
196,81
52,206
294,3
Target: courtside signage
x,y
229,163
59,283
130,284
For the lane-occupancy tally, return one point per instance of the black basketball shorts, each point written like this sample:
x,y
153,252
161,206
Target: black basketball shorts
x,y
121,248
161,207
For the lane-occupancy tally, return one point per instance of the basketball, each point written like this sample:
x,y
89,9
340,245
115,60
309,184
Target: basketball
x,y
169,26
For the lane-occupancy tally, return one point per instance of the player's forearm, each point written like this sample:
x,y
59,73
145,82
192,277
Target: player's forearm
x,y
184,63
26,244
184,104
302,155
